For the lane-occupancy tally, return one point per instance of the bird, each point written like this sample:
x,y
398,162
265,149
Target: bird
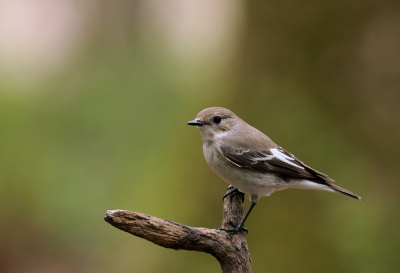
x,y
251,162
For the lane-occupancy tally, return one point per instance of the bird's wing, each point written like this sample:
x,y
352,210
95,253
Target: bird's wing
x,y
275,160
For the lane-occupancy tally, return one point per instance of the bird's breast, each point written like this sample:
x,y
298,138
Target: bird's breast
x,y
246,180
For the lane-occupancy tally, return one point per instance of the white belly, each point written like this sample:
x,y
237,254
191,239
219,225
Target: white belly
x,y
254,182
246,180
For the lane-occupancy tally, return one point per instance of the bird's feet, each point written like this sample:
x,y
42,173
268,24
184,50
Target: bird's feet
x,y
232,192
237,229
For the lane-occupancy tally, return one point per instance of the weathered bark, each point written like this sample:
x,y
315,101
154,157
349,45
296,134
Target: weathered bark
x,y
229,249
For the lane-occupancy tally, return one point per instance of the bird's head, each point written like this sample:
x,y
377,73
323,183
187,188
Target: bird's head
x,y
214,122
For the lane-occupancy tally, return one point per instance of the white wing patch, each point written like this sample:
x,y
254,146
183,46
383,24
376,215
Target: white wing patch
x,y
282,157
276,153
287,159
233,162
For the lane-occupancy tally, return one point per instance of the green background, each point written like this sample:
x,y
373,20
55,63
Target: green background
x,y
93,114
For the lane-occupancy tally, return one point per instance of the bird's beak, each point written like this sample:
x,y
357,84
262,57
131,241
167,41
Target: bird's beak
x,y
195,123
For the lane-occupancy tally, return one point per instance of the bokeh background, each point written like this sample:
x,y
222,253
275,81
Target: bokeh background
x,y
94,97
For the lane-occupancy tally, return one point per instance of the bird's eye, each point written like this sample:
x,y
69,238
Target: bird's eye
x,y
217,119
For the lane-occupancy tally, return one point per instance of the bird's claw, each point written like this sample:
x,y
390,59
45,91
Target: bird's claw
x,y
232,193
235,230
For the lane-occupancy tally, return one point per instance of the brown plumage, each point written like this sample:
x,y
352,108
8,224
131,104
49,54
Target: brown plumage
x,y
250,161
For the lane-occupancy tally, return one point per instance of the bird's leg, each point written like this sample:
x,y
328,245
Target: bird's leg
x,y
233,192
254,199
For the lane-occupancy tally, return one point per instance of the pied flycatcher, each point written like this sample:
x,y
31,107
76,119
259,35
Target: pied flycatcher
x,y
251,162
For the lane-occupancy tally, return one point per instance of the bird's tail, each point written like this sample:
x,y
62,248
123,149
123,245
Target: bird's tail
x,y
344,191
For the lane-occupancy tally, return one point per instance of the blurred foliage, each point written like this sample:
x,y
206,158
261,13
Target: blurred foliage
x,y
105,129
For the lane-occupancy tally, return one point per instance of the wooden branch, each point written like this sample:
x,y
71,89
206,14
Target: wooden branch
x,y
230,250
